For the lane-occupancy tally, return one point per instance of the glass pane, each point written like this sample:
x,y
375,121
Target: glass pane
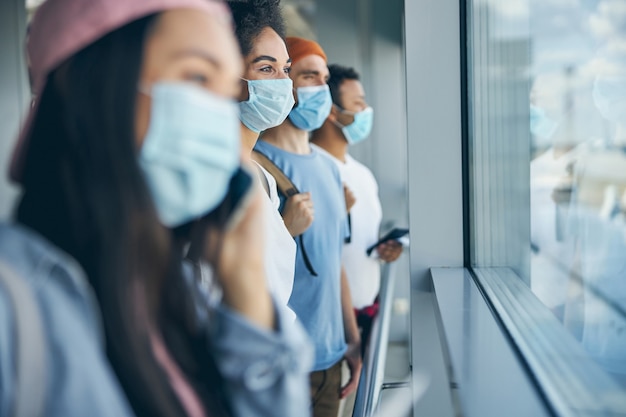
x,y
499,82
547,85
578,171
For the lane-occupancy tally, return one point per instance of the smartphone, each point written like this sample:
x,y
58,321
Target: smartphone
x,y
229,209
394,234
225,215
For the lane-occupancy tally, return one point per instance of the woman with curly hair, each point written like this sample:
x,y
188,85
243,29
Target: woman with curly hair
x,y
265,100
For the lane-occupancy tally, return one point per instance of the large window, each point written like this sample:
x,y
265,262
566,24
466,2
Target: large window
x,y
547,159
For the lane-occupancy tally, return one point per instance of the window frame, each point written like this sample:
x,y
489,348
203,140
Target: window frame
x,y
569,380
566,380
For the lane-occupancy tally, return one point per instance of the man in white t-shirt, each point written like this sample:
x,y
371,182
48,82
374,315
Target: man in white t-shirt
x,y
350,122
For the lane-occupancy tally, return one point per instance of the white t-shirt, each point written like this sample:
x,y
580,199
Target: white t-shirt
x,y
365,217
280,248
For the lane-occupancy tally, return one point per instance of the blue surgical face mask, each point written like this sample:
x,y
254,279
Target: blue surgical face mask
x,y
314,104
540,124
609,96
361,128
190,152
269,104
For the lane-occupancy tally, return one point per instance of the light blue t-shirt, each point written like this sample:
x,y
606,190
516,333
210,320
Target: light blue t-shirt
x,y
317,299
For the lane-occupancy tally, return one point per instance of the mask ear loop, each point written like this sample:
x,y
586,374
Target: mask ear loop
x,y
336,123
343,111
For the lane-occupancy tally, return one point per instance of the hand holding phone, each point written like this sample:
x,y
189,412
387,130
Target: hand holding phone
x,y
231,239
221,218
394,234
240,266
389,251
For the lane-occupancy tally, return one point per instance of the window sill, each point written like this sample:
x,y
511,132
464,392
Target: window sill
x,y
501,340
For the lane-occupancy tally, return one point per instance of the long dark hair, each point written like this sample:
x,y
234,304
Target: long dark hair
x,y
84,191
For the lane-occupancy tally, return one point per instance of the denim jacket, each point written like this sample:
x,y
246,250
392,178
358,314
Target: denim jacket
x,y
266,373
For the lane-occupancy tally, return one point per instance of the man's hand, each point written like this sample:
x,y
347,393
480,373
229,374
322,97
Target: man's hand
x,y
350,199
389,251
298,214
355,363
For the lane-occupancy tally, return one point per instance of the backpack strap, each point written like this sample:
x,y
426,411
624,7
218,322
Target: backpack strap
x,y
29,342
284,184
288,189
348,238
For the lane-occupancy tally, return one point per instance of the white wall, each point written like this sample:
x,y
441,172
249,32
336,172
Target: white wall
x,y
13,91
368,35
433,68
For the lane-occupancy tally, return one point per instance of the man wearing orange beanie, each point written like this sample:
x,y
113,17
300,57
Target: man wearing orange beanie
x,y
321,295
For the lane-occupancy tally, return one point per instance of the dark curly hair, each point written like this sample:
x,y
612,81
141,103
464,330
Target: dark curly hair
x,y
252,16
338,74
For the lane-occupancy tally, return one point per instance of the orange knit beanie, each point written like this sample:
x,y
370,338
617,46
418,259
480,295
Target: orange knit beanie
x,y
299,48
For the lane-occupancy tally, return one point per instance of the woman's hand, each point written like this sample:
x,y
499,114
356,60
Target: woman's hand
x,y
237,256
